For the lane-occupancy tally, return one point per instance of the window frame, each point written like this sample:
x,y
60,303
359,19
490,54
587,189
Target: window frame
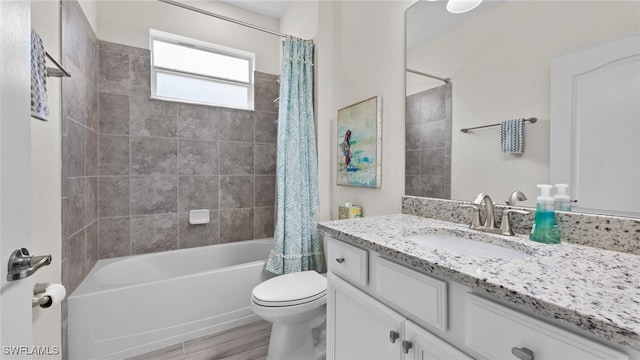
x,y
156,35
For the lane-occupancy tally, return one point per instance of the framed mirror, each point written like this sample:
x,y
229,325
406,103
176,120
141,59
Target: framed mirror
x,y
499,59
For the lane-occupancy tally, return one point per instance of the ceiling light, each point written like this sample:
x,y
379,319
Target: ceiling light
x,y
460,6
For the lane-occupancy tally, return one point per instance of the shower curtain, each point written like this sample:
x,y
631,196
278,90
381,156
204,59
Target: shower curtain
x,y
297,245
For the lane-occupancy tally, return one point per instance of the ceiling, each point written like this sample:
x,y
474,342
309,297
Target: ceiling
x,y
428,19
271,8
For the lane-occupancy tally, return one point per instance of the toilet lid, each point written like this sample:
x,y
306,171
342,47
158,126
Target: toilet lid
x,y
291,289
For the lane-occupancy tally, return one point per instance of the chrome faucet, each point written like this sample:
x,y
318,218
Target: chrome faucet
x,y
490,218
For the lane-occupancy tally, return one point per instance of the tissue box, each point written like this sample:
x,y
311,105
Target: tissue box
x,y
349,212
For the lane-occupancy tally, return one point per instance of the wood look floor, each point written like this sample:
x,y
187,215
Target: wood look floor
x,y
247,342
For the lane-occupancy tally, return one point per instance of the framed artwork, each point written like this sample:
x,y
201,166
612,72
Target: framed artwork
x,y
359,144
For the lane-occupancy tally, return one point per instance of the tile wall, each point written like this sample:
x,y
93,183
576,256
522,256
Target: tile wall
x,y
133,167
428,143
80,128
160,159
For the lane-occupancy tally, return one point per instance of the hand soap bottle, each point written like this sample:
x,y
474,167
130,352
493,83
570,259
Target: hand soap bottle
x,y
561,199
545,229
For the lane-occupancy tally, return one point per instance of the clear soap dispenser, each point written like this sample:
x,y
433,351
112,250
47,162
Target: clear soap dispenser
x,y
561,199
545,229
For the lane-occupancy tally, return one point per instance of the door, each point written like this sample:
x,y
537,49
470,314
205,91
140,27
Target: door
x,y
15,170
426,346
594,100
359,327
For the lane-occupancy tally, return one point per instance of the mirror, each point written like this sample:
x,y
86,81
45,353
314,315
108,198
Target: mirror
x,y
498,57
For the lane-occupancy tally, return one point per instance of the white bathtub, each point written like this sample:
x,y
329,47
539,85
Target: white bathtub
x,y
131,305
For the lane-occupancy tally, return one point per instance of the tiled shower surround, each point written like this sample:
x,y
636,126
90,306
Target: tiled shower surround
x,y
160,159
134,166
428,143
80,128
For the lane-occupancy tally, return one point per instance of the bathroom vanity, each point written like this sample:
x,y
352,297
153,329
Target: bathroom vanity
x,y
390,297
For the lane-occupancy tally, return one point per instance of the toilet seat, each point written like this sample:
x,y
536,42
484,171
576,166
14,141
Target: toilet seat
x,y
290,289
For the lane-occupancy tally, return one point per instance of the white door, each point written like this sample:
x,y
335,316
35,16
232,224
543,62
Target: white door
x,y
426,346
15,168
358,326
595,126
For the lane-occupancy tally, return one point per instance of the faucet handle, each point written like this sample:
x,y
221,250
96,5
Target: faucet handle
x,y
505,224
515,197
475,217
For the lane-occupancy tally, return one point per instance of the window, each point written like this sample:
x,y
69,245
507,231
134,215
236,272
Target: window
x,y
194,71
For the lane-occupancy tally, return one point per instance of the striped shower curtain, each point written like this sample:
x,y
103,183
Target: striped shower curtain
x,y
297,245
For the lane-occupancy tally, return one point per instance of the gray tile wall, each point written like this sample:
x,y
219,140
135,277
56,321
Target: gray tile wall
x,y
160,159
80,128
133,167
428,143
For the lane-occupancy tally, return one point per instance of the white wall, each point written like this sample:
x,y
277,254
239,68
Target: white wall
x,y
128,22
90,10
359,54
301,19
369,60
499,64
46,219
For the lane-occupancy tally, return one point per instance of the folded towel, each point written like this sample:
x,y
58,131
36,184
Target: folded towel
x,y
39,107
512,136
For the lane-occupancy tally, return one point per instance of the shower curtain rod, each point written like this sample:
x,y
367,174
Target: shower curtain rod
x,y
446,80
225,18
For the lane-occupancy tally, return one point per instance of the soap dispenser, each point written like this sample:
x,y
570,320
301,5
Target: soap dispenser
x,y
545,229
561,199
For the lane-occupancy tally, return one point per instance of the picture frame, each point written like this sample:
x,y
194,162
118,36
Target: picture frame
x,y
359,142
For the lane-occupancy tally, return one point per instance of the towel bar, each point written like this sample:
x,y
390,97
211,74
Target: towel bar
x,y
60,71
465,130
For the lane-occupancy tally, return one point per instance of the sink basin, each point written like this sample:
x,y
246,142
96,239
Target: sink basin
x,y
464,246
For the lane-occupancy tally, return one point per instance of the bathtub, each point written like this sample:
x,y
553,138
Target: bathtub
x,y
132,305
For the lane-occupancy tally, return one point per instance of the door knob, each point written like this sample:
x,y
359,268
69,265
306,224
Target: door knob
x,y
22,264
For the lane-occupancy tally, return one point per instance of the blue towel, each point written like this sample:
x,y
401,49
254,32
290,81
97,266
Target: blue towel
x,y
512,136
39,107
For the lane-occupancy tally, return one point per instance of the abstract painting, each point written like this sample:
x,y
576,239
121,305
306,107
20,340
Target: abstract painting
x,y
359,144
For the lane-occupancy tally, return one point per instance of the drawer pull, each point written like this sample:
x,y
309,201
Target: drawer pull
x,y
393,336
406,345
522,353
340,260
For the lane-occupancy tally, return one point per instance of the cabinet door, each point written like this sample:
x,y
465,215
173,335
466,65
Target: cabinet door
x,y
424,345
498,332
358,326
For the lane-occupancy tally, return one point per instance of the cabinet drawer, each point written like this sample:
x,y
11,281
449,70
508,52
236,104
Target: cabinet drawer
x,y
419,295
495,331
348,261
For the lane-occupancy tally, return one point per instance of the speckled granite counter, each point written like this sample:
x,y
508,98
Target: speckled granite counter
x,y
593,289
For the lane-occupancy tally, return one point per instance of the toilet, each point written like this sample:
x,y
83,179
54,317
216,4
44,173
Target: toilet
x,y
295,304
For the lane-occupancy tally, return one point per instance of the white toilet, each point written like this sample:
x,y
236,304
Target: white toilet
x,y
295,304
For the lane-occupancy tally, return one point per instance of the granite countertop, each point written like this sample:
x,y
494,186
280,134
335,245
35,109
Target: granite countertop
x,y
594,289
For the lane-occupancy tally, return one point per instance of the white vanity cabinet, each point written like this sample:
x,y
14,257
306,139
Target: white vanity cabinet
x,y
425,345
498,332
379,309
359,327
362,327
